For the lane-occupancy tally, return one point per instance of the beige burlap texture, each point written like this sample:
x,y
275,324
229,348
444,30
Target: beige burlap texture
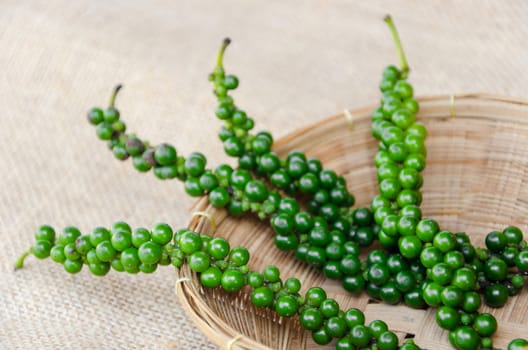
x,y
298,61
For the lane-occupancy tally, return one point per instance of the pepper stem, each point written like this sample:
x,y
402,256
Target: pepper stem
x,y
220,57
397,42
20,261
114,95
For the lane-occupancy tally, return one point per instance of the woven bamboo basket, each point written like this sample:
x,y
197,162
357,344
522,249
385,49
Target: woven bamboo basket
x,y
475,182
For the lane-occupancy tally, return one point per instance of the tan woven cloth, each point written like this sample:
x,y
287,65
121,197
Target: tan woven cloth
x,y
298,61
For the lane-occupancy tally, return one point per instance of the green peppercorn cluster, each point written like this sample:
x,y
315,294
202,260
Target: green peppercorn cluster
x,y
119,248
324,190
217,265
447,271
418,263
163,159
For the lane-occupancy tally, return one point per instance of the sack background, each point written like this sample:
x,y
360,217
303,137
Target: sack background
x,y
298,61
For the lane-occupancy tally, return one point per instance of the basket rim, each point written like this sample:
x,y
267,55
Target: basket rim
x,y
218,331
362,112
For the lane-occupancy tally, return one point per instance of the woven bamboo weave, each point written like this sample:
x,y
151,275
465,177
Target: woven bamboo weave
x,y
475,182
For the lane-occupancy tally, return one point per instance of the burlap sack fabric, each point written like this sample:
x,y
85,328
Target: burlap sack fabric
x,y
298,62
